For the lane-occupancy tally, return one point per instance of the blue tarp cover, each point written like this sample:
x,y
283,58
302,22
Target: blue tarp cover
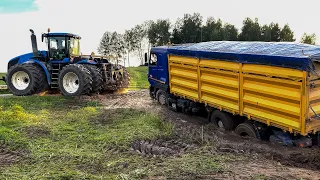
x,y
284,54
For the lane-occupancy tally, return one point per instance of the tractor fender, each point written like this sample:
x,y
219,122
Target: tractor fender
x,y
86,62
43,67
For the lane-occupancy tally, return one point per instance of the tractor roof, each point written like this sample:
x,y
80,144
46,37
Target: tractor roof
x,y
60,34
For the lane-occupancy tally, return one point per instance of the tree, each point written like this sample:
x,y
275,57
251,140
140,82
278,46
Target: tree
x,y
212,31
230,32
104,47
130,42
286,34
140,33
275,32
111,44
265,33
176,36
309,38
158,32
117,45
188,29
250,30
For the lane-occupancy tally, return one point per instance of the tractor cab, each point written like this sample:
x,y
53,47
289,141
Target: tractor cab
x,y
62,45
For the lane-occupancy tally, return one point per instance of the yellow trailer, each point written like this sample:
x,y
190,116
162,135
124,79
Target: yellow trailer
x,y
277,96
275,84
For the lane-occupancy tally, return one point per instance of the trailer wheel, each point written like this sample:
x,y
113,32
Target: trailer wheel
x,y
246,130
161,97
223,120
75,80
97,79
26,79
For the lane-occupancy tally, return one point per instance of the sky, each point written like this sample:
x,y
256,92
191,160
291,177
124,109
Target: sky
x,y
91,18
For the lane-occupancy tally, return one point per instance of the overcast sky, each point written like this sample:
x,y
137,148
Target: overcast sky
x,y
91,18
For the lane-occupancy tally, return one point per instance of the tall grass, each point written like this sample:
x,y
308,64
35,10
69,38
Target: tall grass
x,y
139,77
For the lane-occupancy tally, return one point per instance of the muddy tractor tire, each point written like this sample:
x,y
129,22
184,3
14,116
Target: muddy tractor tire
x,y
75,80
26,79
125,82
222,120
246,130
97,79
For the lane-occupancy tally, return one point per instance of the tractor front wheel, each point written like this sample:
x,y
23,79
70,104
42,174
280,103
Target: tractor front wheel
x,y
75,80
26,79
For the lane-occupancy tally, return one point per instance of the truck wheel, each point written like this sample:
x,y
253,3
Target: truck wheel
x,y
245,130
97,79
26,79
222,120
75,80
161,97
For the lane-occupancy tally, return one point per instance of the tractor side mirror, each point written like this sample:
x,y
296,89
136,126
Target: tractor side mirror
x,y
145,59
42,37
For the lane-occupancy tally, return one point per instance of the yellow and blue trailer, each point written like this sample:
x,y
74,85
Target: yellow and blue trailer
x,y
276,84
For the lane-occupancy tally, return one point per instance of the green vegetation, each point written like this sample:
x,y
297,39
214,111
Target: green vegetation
x,y
66,138
139,77
3,91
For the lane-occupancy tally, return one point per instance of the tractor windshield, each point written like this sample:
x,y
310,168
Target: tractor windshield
x,y
74,46
57,47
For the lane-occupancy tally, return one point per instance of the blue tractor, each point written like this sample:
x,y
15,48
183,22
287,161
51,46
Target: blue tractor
x,y
63,68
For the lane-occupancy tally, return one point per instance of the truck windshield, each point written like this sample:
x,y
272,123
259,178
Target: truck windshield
x,y
74,47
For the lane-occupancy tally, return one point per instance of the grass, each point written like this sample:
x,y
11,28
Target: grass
x,y
66,141
139,77
66,138
3,91
2,82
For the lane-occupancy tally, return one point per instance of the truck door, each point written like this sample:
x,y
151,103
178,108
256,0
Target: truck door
x,y
153,68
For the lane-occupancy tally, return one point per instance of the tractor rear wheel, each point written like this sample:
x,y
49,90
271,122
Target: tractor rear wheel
x,y
75,80
26,79
97,80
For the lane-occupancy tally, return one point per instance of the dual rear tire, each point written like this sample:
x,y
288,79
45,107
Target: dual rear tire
x,y
75,80
227,122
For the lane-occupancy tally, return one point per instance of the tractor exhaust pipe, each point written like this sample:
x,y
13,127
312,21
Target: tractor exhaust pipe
x,y
34,44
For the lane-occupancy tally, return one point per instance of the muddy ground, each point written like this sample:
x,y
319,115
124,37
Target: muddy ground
x,y
270,160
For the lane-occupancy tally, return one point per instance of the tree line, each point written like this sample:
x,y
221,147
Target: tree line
x,y
191,29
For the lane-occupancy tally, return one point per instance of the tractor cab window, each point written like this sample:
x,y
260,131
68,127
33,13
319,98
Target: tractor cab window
x,y
153,59
74,48
57,47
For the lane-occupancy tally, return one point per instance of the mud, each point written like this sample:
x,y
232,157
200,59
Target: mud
x,y
162,147
271,160
36,131
8,157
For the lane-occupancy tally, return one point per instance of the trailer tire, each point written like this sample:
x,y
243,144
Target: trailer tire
x,y
246,129
26,79
161,97
97,80
75,80
222,120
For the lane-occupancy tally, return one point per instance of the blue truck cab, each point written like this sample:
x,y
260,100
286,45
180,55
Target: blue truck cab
x,y
158,74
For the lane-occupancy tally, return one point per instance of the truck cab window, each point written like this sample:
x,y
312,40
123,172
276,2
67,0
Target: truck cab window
x,y
153,59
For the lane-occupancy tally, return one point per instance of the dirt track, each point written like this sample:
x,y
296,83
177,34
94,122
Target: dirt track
x,y
273,161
